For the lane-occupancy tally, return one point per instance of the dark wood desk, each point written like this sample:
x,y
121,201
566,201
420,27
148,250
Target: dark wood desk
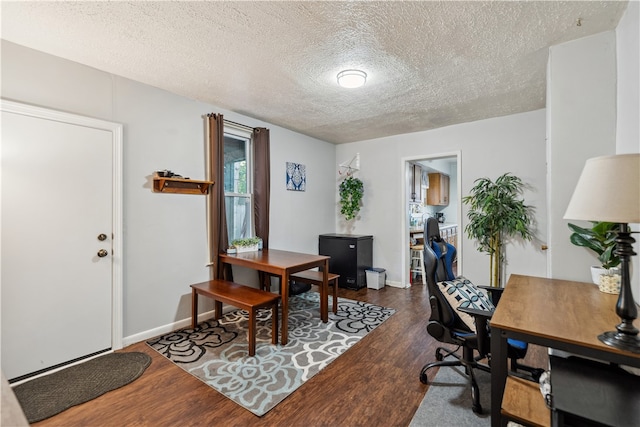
x,y
284,264
559,314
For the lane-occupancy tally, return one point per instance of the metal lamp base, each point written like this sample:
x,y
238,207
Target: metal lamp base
x,y
625,337
621,341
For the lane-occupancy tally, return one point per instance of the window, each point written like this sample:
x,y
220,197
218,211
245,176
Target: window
x,y
238,182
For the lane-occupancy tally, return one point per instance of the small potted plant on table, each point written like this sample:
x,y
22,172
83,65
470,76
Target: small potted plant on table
x,y
249,244
600,239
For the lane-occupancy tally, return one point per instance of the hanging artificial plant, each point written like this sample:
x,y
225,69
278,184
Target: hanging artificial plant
x,y
351,191
495,214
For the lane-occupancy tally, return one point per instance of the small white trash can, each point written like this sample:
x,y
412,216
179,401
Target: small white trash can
x,y
375,278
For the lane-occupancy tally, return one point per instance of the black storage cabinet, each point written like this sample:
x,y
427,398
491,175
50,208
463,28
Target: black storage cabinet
x,y
589,393
351,255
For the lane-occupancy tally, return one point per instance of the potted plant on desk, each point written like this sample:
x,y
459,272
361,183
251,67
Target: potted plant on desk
x,y
601,239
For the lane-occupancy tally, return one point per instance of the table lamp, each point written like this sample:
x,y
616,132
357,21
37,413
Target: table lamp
x,y
609,190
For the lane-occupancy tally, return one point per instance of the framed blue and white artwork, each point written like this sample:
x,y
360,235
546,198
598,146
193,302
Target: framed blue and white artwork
x,y
296,177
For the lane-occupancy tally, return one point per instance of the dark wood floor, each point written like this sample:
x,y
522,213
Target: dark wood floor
x,y
375,383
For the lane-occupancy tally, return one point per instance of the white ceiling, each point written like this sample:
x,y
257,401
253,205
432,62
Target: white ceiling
x,y
429,63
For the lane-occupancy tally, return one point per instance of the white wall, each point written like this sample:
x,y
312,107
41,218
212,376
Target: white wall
x,y
298,218
581,123
628,125
488,148
165,239
628,61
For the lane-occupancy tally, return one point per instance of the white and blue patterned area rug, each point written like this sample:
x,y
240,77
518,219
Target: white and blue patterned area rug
x,y
216,352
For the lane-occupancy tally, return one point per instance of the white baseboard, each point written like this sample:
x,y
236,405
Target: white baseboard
x,y
165,329
391,284
395,284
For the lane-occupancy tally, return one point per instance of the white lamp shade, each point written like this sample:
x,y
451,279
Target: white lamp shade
x,y
608,190
352,78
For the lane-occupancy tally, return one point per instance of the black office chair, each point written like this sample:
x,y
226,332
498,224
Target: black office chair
x,y
467,326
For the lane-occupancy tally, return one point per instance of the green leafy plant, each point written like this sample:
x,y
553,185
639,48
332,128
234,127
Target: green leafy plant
x,y
600,238
250,241
496,213
351,192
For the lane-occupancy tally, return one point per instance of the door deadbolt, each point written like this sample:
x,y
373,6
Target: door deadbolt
x,y
102,237
102,253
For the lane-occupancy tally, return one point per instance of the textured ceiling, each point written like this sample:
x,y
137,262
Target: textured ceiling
x,y
430,64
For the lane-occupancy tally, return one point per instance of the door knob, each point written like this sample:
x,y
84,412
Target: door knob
x,y
102,237
102,253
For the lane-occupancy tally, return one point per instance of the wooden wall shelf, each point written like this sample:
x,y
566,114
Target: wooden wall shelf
x,y
180,185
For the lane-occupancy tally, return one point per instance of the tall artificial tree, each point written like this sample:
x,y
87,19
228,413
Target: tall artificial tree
x,y
496,213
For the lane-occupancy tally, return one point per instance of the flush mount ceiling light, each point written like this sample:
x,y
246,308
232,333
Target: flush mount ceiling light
x,y
352,78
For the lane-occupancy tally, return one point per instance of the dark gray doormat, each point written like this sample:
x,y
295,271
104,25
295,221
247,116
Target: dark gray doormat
x,y
47,396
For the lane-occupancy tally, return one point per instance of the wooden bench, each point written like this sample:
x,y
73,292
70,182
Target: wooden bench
x,y
237,295
315,278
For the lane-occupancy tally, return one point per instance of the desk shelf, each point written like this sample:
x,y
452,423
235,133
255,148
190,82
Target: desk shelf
x,y
180,185
523,402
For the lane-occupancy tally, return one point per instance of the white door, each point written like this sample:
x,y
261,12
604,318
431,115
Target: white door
x,y
57,242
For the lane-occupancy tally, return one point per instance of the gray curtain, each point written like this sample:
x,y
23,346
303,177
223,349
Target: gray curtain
x,y
218,238
261,192
261,183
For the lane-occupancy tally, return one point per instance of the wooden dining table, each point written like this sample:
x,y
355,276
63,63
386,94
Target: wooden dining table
x,y
283,264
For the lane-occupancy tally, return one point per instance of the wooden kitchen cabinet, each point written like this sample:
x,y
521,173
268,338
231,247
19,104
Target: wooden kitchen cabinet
x,y
438,193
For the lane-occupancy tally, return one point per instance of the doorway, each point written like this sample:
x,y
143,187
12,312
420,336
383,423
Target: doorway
x,y
429,201
61,239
